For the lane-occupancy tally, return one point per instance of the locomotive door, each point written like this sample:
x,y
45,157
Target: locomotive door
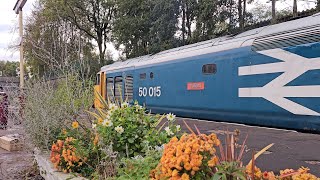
x,y
128,89
109,90
118,89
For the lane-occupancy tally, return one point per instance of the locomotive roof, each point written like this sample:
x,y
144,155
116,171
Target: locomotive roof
x,y
214,45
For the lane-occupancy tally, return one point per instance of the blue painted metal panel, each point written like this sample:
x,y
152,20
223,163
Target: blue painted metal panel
x,y
220,99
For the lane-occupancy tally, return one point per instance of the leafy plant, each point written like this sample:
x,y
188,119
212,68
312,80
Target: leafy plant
x,y
76,151
229,171
139,167
129,129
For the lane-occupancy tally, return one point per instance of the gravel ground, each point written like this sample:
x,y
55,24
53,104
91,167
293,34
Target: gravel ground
x,y
291,149
17,165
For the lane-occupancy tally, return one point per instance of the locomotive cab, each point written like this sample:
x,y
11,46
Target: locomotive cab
x,y
99,90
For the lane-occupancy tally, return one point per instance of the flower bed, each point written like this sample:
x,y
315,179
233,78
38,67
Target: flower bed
x,y
126,142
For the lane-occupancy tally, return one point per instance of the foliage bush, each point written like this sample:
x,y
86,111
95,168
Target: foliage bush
x,y
130,129
51,105
139,167
76,151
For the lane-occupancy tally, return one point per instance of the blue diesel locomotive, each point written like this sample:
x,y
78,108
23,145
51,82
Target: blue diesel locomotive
x,y
269,76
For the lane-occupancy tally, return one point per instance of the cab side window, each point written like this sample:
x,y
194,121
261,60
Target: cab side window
x,y
208,69
98,79
118,88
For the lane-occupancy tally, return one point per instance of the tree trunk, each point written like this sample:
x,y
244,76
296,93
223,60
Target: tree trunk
x,y
230,16
295,8
274,18
183,22
240,14
101,54
244,12
188,22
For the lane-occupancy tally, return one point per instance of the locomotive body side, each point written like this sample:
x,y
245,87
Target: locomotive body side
x,y
266,80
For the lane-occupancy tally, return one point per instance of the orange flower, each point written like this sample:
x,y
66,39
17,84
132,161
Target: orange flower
x,y
75,124
213,162
185,176
54,147
175,173
96,139
60,143
265,175
185,156
187,166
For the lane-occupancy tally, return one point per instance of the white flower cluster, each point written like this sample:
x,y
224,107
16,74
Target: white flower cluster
x,y
119,129
171,117
112,107
124,105
168,130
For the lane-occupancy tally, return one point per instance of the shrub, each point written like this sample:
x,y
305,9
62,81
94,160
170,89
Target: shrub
x,y
139,167
130,129
76,150
49,106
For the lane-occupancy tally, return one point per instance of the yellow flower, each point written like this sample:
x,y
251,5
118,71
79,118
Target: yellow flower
x,y
75,124
100,120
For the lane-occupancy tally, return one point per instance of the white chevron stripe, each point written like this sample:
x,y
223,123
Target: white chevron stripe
x,y
275,91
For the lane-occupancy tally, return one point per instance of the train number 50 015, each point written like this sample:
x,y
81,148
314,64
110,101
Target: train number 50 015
x,y
151,91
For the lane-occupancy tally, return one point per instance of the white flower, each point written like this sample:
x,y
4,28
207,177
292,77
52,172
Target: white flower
x,y
107,123
138,107
159,148
168,130
178,127
124,105
112,107
137,157
109,114
171,117
94,126
119,129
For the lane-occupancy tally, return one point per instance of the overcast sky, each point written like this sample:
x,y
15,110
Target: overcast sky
x,y
9,23
9,31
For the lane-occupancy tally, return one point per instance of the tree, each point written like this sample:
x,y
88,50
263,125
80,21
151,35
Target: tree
x,y
9,68
187,14
164,25
244,13
93,17
318,5
53,45
143,27
132,25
